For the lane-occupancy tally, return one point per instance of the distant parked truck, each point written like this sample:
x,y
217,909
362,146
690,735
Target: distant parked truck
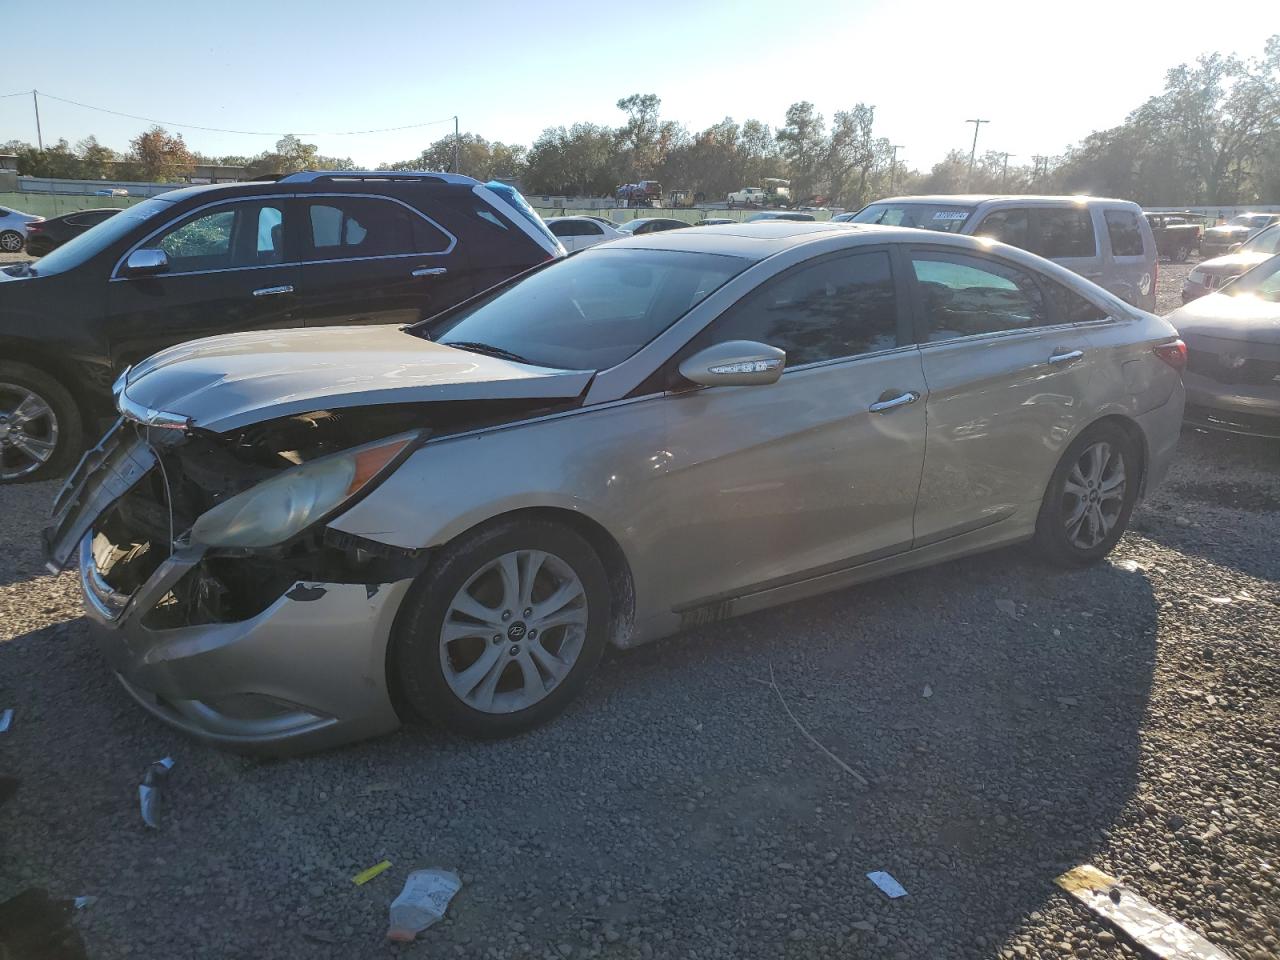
x,y
775,193
646,193
1177,234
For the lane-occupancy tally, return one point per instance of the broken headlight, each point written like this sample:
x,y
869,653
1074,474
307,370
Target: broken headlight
x,y
287,504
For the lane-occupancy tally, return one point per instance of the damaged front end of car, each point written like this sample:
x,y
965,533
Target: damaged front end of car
x,y
217,591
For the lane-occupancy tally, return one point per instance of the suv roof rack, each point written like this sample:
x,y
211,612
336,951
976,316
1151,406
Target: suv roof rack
x,y
311,176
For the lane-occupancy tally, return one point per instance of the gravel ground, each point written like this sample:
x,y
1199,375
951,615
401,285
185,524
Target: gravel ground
x,y
1126,716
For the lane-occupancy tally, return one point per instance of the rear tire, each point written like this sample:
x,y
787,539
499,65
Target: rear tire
x,y
11,241
1181,253
503,630
1090,497
36,411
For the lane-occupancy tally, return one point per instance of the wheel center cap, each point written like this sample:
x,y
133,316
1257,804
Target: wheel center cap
x,y
517,630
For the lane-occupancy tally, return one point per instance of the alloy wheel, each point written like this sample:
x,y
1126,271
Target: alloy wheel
x,y
513,631
1093,495
10,241
28,431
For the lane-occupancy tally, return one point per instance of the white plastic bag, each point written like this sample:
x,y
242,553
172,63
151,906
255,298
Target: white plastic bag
x,y
422,902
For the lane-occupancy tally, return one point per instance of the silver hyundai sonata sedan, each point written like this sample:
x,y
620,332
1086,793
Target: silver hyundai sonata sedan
x,y
292,539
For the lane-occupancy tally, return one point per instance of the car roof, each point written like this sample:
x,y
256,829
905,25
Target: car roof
x,y
763,239
976,198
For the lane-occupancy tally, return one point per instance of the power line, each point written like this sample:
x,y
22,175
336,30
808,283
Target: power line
x,y
248,133
20,93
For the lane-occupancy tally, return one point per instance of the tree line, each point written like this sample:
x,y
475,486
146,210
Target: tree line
x,y
1210,136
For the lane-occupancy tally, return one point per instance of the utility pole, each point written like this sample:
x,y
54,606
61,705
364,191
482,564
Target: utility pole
x,y
893,166
1039,160
973,154
455,143
1004,176
39,136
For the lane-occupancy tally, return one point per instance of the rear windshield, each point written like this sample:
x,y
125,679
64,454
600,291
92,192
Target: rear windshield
x,y
589,311
946,217
96,239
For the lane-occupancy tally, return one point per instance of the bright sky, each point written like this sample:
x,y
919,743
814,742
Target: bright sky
x,y
1043,74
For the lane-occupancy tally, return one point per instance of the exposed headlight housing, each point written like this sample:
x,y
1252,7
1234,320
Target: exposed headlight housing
x,y
287,504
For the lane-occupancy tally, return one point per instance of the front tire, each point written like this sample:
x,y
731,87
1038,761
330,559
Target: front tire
x,y
503,629
11,241
41,431
1090,497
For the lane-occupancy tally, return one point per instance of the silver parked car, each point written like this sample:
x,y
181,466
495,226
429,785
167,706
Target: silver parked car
x,y
1233,354
1210,275
1108,241
289,533
13,229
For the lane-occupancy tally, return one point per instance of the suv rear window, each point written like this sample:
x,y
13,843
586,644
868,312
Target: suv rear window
x,y
946,217
1124,232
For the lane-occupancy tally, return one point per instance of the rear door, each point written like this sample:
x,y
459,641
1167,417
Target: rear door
x,y
1069,235
228,271
1008,366
812,474
371,259
1131,258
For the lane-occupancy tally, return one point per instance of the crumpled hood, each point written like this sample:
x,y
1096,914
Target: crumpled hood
x,y
1232,265
1223,317
222,383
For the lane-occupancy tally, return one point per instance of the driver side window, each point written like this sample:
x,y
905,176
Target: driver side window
x,y
838,307
234,235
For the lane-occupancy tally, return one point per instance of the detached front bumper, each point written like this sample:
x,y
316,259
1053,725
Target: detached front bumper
x,y
306,673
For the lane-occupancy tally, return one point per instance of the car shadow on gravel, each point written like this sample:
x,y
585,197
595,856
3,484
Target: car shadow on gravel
x,y
676,801
1000,748
1218,483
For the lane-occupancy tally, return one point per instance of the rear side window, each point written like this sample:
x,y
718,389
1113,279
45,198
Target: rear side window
x,y
1124,233
1066,232
345,227
1069,307
839,307
1008,226
564,228
966,296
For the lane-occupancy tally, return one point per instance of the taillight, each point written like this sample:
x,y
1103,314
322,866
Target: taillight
x,y
1174,354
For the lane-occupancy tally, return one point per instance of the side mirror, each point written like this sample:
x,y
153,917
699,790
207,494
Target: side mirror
x,y
734,363
146,262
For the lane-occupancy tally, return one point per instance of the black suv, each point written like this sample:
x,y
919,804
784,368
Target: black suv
x,y
311,249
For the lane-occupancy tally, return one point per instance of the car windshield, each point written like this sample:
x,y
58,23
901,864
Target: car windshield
x,y
949,218
1249,220
97,238
631,226
1262,282
588,312
1268,241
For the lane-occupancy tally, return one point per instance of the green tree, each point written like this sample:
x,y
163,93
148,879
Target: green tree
x,y
804,146
582,160
160,156
96,161
639,138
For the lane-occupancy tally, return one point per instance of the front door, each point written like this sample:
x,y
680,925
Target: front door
x,y
227,271
375,260
1008,365
817,472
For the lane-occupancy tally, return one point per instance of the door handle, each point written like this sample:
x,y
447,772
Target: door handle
x,y
883,406
273,291
429,272
1069,357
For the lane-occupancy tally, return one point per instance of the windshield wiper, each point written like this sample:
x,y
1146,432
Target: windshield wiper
x,y
475,346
